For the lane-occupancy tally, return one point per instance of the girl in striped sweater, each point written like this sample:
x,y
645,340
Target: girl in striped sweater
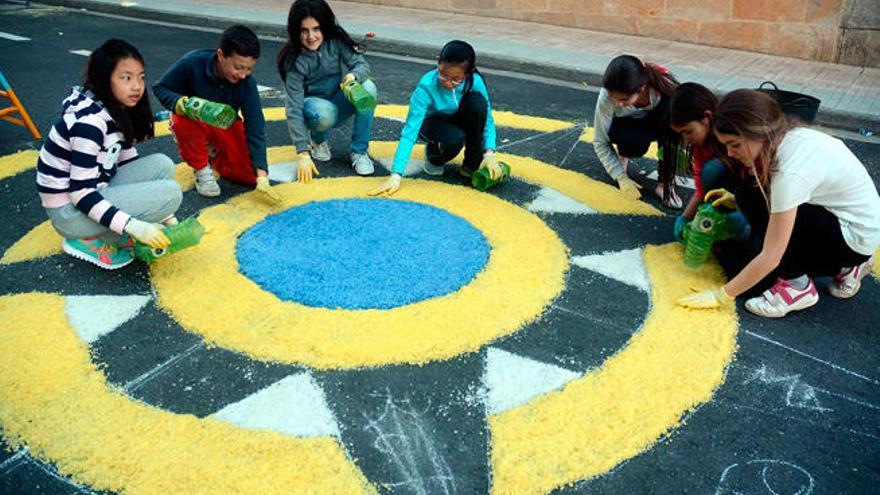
x,y
97,192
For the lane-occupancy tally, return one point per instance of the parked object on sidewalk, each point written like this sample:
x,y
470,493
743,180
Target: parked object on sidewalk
x,y
798,105
866,132
185,234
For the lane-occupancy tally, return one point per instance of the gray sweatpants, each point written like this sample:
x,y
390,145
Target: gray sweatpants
x,y
144,188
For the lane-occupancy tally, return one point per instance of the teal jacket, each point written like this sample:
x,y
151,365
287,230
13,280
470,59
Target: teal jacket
x,y
430,98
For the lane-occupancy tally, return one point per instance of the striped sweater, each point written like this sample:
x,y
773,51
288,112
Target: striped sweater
x,y
79,158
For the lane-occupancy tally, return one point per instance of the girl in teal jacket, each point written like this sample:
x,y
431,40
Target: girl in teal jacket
x,y
449,109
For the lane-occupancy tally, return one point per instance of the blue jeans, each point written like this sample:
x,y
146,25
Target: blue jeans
x,y
322,115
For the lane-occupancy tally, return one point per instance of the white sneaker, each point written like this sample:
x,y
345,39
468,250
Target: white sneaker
x,y
206,183
320,152
782,299
435,170
846,285
362,164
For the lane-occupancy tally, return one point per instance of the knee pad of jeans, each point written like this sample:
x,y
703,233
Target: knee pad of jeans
x,y
321,118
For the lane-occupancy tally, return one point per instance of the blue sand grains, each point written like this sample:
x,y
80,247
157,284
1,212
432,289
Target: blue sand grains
x,y
362,253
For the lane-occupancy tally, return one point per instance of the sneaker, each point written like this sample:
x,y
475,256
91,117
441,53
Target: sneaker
x,y
846,285
97,252
782,299
362,164
206,183
320,152
435,170
465,172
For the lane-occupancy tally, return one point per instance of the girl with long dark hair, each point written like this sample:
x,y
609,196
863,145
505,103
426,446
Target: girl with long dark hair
x,y
824,209
317,60
96,190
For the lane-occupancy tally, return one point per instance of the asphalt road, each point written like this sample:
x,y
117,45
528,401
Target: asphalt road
x,y
800,401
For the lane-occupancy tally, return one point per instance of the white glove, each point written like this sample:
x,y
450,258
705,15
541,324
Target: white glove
x,y
387,188
148,233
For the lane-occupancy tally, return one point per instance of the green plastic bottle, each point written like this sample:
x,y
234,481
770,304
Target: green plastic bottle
x,y
481,180
212,113
708,226
359,97
185,234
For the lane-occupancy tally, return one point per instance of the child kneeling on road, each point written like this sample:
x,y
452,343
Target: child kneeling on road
x,y
449,109
97,192
205,91
824,209
318,63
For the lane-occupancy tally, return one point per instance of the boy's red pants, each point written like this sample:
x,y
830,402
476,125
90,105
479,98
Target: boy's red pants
x,y
226,150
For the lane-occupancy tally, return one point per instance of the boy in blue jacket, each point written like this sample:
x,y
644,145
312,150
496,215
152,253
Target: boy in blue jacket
x,y
206,90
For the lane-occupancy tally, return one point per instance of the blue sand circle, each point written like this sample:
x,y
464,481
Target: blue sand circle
x,y
362,253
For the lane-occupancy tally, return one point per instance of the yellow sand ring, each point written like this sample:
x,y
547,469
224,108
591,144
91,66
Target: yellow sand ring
x,y
57,402
203,289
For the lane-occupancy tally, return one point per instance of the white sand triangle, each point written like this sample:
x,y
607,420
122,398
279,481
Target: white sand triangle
x,y
282,172
623,266
552,201
511,380
414,166
294,405
95,316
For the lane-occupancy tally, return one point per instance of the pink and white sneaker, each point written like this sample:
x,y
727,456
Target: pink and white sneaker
x,y
846,285
782,299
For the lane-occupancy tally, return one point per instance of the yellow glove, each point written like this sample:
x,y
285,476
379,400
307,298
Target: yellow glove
x,y
490,163
179,106
148,233
387,188
707,299
305,168
345,80
629,187
724,198
266,189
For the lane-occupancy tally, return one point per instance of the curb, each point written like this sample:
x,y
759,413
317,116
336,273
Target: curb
x,y
829,118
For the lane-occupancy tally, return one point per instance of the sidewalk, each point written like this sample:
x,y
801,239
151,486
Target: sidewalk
x,y
850,95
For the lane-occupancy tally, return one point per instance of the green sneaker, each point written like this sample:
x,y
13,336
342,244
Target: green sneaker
x,y
97,252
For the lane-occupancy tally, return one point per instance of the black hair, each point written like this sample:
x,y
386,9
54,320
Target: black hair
x,y
626,74
239,40
135,123
330,29
690,102
461,53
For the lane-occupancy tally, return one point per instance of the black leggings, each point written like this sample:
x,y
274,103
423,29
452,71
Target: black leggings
x,y
446,134
816,247
633,136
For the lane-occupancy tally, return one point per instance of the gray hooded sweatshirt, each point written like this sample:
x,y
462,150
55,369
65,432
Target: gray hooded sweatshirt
x,y
318,74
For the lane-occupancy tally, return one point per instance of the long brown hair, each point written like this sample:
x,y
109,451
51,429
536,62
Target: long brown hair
x,y
751,114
